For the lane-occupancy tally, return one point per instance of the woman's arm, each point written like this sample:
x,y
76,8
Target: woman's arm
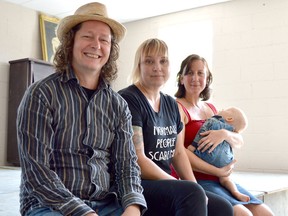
x,y
132,210
201,166
180,160
149,170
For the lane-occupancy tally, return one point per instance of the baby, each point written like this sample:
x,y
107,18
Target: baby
x,y
232,119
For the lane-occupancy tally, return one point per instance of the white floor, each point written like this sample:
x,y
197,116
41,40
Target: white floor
x,y
9,191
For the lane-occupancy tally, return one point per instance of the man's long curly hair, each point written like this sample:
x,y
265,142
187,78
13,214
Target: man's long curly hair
x,y
64,52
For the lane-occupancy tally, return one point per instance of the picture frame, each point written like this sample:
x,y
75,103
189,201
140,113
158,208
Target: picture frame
x,y
49,40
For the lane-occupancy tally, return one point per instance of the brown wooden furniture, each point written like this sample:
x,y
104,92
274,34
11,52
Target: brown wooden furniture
x,y
23,72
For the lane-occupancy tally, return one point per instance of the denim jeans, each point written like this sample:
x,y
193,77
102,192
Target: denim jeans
x,y
221,156
103,208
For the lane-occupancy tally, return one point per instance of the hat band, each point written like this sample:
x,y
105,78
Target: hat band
x,y
98,14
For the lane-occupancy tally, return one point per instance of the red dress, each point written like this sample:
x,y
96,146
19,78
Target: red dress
x,y
191,129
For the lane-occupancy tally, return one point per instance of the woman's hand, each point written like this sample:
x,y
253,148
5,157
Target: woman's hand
x,y
211,139
226,170
91,214
132,210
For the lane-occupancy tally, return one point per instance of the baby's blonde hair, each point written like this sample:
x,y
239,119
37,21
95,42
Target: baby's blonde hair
x,y
235,117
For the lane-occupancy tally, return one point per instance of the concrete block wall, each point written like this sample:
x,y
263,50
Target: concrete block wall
x,y
250,63
245,43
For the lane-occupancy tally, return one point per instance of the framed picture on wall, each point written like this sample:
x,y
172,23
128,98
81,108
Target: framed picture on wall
x,y
49,40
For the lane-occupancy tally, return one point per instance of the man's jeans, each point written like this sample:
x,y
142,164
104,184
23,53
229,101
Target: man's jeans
x,y
102,208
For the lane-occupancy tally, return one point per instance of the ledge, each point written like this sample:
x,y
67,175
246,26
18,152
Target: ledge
x,y
261,182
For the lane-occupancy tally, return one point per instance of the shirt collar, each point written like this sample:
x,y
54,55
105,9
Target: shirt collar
x,y
70,75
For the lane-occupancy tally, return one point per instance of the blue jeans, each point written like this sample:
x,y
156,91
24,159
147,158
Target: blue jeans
x,y
103,208
221,156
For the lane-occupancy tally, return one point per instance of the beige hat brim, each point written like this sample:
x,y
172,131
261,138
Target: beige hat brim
x,y
70,21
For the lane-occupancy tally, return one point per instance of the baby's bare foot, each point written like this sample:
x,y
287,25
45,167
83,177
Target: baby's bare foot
x,y
241,197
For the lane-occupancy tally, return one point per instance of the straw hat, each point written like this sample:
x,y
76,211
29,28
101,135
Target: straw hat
x,y
90,11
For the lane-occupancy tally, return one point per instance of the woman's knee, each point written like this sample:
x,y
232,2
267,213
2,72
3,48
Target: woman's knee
x,y
191,200
194,190
260,210
240,210
218,206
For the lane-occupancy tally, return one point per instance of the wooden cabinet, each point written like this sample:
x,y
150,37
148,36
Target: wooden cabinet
x,y
23,72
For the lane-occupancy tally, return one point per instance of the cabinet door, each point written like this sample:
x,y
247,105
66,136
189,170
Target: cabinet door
x,y
23,73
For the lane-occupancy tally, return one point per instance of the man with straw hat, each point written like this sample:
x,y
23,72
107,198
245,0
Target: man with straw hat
x,y
74,132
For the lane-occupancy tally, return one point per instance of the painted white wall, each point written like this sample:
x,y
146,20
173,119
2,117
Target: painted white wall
x,y
244,41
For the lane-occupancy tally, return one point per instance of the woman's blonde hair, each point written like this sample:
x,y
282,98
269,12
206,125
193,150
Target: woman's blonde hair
x,y
148,47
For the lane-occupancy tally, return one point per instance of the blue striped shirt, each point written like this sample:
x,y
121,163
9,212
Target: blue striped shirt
x,y
74,149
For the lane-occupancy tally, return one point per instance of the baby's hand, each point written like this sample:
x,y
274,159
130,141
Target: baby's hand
x,y
191,148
